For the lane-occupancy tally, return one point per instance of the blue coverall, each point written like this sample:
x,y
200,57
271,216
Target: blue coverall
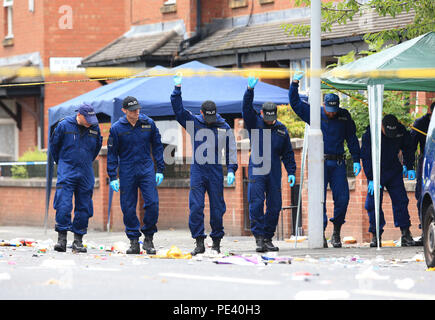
x,y
206,177
421,124
391,176
266,186
74,148
334,131
129,148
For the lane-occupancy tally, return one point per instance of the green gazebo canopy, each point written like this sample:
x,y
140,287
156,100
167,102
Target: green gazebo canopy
x,y
381,67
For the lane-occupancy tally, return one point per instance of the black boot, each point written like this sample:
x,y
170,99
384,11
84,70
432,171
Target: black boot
x,y
336,238
419,242
148,245
269,245
325,243
216,245
374,242
60,246
134,247
261,247
77,245
407,240
200,248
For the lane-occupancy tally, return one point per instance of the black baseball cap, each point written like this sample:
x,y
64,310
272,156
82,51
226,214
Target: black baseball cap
x,y
270,112
88,112
130,103
391,125
208,109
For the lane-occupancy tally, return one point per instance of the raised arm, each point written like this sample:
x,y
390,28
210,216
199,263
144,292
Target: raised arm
x,y
182,115
250,116
301,108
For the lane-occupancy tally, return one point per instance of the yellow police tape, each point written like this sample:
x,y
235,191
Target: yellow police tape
x,y
116,73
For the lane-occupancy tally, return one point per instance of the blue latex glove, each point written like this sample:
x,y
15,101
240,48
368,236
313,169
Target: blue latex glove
x,y
370,187
298,75
405,171
114,184
356,168
159,178
411,174
230,178
291,180
252,81
177,79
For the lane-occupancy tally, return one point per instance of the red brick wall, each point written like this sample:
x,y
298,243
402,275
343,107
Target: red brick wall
x,y
357,222
28,29
174,208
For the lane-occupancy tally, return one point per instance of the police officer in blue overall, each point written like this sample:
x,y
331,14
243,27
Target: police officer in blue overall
x,y
131,141
394,138
206,173
265,176
419,139
74,145
337,126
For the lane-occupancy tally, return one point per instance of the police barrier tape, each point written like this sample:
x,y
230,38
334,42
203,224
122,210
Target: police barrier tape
x,y
29,163
116,73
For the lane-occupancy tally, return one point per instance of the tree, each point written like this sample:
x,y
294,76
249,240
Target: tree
x,y
342,12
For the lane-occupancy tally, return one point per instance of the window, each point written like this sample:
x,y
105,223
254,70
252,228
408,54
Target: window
x,y
168,2
8,133
301,65
8,4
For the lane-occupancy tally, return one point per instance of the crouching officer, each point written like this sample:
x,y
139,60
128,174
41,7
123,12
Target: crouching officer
x,y
265,176
74,145
394,138
131,140
337,126
419,139
206,173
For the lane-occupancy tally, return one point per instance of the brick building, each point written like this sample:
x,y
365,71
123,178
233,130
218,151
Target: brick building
x,y
66,34
48,34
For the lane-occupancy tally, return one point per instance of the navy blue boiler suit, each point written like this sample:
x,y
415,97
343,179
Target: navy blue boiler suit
x,y
74,148
129,148
266,186
421,124
206,177
391,176
334,131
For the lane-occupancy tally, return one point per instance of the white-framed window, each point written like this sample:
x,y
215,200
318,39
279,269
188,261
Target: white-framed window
x,y
8,133
168,2
301,65
8,6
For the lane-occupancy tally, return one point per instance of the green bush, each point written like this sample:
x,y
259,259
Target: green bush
x,y
295,126
20,172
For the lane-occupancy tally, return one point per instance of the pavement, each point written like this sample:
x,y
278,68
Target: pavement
x,y
354,272
182,239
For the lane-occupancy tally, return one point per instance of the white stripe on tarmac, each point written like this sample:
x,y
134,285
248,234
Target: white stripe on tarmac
x,y
222,279
395,294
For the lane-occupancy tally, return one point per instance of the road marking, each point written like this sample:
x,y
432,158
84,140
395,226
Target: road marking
x,y
222,279
395,294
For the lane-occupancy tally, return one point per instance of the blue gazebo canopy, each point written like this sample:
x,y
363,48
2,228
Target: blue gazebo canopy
x,y
153,94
